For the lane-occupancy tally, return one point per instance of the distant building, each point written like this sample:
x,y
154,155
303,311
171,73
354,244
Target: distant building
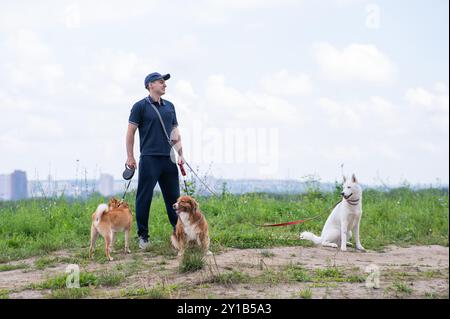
x,y
106,185
5,187
19,185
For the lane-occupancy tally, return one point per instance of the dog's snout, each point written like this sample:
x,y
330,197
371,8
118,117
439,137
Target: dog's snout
x,y
174,206
342,194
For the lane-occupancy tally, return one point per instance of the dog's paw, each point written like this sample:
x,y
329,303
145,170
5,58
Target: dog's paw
x,y
111,259
343,248
349,244
361,248
209,253
127,251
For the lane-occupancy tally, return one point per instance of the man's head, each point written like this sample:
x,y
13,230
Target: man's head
x,y
156,83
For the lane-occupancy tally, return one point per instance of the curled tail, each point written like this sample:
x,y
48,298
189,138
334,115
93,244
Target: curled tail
x,y
101,209
310,236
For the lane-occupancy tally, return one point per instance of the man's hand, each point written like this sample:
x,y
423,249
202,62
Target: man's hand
x,y
131,162
180,160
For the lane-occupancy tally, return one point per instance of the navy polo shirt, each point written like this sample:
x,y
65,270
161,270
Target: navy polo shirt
x,y
152,138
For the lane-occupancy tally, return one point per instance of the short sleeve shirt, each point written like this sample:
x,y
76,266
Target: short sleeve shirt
x,y
151,135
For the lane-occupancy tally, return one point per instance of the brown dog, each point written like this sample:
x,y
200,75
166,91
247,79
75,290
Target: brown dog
x,y
108,220
191,226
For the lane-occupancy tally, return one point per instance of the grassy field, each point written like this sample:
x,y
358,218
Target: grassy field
x,y
400,216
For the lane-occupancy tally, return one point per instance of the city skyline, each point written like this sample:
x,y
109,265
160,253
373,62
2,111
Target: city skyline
x,y
106,185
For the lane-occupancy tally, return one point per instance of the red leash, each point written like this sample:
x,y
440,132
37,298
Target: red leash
x,y
301,221
285,224
183,172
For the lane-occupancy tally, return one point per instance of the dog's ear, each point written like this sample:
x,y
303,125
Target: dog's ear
x,y
194,205
354,180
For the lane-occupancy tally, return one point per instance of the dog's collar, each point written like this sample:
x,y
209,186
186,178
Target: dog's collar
x,y
352,202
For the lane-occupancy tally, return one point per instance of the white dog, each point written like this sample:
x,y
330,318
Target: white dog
x,y
344,218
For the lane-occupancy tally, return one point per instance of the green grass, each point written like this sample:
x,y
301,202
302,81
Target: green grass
x,y
297,273
59,282
159,291
267,254
4,294
230,277
45,262
72,293
401,217
88,282
401,288
13,267
111,279
133,292
193,260
306,293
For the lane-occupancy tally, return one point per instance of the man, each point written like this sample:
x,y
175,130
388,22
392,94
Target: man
x,y
157,162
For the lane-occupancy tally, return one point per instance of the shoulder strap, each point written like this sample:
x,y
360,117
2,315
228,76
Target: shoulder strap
x,y
161,121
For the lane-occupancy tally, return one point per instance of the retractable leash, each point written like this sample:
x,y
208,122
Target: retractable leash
x,y
172,146
127,174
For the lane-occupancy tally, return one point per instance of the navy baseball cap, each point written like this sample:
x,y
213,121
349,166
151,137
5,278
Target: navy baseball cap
x,y
155,76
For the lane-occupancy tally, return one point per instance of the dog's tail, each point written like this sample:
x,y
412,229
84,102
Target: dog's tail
x,y
310,236
101,209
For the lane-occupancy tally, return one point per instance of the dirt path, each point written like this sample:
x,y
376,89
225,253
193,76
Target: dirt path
x,y
283,272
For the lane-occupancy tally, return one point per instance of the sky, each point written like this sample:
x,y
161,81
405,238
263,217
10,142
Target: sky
x,y
262,89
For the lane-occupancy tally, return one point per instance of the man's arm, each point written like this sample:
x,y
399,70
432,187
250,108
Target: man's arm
x,y
131,162
176,139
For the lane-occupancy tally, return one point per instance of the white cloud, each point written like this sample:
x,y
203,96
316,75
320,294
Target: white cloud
x,y
112,78
253,108
219,11
342,153
282,83
185,48
72,14
382,111
432,105
419,96
356,62
104,11
28,62
345,3
429,147
437,101
10,103
185,90
385,150
250,4
340,116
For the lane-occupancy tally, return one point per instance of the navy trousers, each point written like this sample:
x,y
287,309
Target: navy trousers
x,y
152,170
